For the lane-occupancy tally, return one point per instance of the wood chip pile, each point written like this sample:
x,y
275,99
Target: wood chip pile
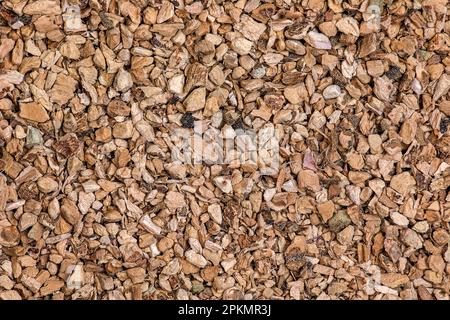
x,y
348,199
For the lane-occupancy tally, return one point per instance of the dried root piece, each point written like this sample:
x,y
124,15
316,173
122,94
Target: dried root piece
x,y
67,146
204,150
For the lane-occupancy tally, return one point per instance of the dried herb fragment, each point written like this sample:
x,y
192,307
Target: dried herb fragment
x,y
187,120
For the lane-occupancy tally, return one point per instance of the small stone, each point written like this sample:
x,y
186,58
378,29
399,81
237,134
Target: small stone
x,y
348,25
375,143
290,186
195,8
436,263
331,92
85,201
339,221
123,81
122,157
421,227
294,255
272,58
112,215
224,184
166,12
393,280
90,186
393,248
241,46
54,208
72,19
118,107
416,86
123,130
196,259
403,183
67,146
368,45
136,275
215,211
47,7
196,100
383,88
51,286
317,120
328,28
47,184
149,225
165,244
70,50
228,264
444,107
176,84
375,68
399,219
34,137
10,295
69,211
31,283
176,170
330,61
346,235
308,179
211,108
259,71
103,134
326,210
442,87
355,160
269,194
63,89
296,46
27,220
174,200
249,28
216,75
77,277
33,111
318,40
412,239
441,237
6,282
146,130
9,236
293,94
447,255
6,46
